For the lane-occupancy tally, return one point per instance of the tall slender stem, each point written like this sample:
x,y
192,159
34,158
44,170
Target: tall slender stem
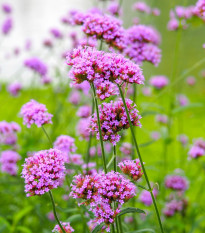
x,y
54,212
99,127
140,158
49,139
90,138
115,158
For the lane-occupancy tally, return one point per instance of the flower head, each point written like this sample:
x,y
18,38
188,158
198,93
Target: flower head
x,y
14,88
35,113
132,168
113,119
66,226
65,143
7,26
43,171
176,182
159,81
146,198
36,65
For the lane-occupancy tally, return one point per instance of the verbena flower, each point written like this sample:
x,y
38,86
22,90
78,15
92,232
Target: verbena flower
x,y
66,226
126,148
114,9
56,33
8,132
142,7
132,168
6,8
85,187
65,143
43,171
200,7
176,182
161,118
100,68
83,128
36,65
198,149
35,113
84,111
7,26
8,161
114,187
159,81
146,198
14,88
113,119
173,207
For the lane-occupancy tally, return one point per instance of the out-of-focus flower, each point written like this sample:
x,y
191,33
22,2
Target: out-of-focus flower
x,y
7,26
176,182
200,7
43,171
198,149
146,198
162,119
132,168
113,119
84,111
182,99
83,128
14,88
159,81
142,7
173,207
6,8
8,161
74,97
66,226
155,135
35,113
146,91
36,65
191,81
114,9
51,216
183,139
56,33
126,148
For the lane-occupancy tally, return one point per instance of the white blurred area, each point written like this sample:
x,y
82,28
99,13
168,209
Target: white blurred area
x,y
32,21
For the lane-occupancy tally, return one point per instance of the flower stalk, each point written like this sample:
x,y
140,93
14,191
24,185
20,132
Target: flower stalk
x,y
141,161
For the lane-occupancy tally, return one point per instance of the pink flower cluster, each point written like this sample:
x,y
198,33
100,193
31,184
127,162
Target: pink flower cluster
x,y
161,118
43,171
113,119
198,149
173,207
114,9
141,44
36,65
132,168
126,148
84,111
144,8
35,113
8,161
100,191
182,100
8,132
108,67
159,81
200,8
83,128
176,182
66,226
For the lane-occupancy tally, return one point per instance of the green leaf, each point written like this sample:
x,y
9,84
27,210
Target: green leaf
x,y
23,229
142,187
75,218
196,224
68,210
98,228
143,230
19,215
147,143
4,225
147,113
110,162
131,210
187,107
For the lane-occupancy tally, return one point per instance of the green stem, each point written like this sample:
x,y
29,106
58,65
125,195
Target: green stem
x,y
89,142
49,139
113,228
115,158
101,45
99,127
140,158
54,212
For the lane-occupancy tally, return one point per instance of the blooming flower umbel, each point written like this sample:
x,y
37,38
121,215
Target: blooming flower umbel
x,y
113,119
43,171
35,113
176,182
132,168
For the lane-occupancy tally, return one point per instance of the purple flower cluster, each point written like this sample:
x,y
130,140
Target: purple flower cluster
x,y
66,226
113,119
146,198
141,44
89,64
6,8
8,132
84,111
35,113
7,26
126,148
114,9
36,65
159,81
83,128
144,8
43,171
14,88
173,207
176,182
200,8
100,191
8,161
182,100
56,33
198,149
132,168
161,118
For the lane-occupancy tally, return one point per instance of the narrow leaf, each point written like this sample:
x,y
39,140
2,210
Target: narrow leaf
x,y
142,187
131,210
143,230
147,143
187,107
110,162
98,228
